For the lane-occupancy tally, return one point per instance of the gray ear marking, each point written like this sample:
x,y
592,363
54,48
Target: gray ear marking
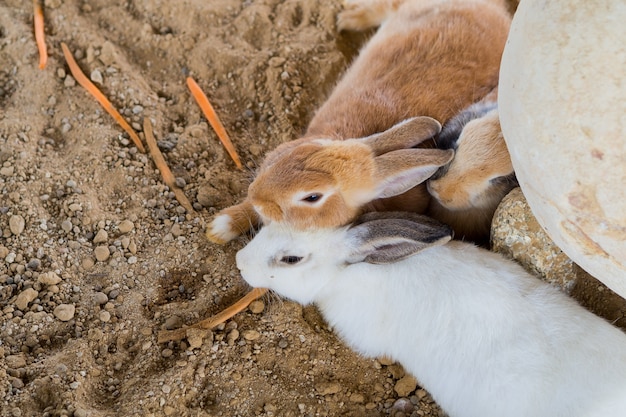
x,y
403,135
386,237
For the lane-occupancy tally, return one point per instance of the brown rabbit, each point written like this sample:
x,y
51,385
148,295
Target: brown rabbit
x,y
466,192
428,58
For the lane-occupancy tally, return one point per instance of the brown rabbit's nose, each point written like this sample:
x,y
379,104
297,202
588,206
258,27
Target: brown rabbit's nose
x,y
431,186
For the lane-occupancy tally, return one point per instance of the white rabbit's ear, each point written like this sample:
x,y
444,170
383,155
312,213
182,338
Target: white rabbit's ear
x,y
399,171
386,237
403,135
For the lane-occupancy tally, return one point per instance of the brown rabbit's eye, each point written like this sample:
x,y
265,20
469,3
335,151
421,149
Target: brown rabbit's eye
x,y
291,260
312,198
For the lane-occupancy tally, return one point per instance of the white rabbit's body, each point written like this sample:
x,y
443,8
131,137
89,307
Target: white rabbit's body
x,y
484,337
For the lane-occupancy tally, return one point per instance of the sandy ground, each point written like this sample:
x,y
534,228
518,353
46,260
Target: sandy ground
x,y
96,255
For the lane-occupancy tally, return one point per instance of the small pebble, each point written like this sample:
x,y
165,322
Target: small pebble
x,y
176,230
257,306
405,385
96,77
101,237
104,316
328,388
232,336
66,225
100,298
33,264
15,361
404,404
173,322
87,264
64,312
79,412
180,182
25,298
16,224
7,171
49,278
166,389
251,334
126,226
357,398
102,253
196,337
69,81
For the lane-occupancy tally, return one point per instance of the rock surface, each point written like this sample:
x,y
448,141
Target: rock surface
x,y
562,101
516,234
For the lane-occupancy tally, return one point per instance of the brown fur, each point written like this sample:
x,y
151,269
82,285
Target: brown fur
x,y
429,57
476,180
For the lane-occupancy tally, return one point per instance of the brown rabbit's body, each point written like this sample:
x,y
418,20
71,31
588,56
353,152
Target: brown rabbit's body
x,y
428,58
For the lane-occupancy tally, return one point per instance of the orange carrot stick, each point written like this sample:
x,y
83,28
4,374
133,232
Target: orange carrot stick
x,y
211,322
160,163
213,119
39,34
93,90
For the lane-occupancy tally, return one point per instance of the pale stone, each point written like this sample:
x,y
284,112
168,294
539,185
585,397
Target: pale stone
x,y
102,253
101,237
196,337
328,388
405,385
49,278
257,306
516,234
126,226
16,224
562,99
15,361
251,334
64,312
25,297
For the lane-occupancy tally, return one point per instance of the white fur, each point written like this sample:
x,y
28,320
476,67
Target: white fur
x,y
484,337
221,228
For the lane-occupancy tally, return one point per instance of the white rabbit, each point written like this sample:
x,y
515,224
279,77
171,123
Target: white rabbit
x,y
484,337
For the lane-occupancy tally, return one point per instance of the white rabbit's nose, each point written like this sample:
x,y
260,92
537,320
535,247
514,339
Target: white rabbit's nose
x,y
240,260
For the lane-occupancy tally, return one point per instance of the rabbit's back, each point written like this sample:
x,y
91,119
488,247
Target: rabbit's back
x,y
423,60
483,336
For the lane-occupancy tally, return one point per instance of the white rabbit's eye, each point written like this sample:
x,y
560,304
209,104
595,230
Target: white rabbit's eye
x,y
312,198
290,259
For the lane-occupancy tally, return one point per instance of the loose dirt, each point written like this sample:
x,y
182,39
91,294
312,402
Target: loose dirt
x,y
97,256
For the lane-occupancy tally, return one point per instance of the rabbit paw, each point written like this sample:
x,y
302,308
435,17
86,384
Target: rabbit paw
x,y
360,15
221,230
356,16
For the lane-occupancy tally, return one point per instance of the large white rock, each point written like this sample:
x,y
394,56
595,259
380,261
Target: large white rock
x,y
562,105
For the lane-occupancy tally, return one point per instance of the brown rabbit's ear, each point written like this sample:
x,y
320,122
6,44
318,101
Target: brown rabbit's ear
x,y
403,135
399,171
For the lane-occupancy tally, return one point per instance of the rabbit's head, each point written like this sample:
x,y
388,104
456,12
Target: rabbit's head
x,y
481,172
314,183
297,264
